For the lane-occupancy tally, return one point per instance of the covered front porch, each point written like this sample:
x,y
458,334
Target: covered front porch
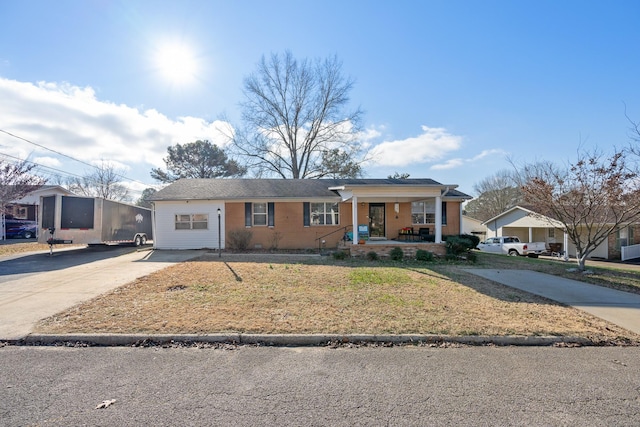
x,y
386,213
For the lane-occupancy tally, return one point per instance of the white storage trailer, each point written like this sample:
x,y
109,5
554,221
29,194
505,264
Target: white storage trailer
x,y
92,221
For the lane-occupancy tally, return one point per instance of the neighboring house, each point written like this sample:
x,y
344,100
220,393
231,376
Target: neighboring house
x,y
530,226
474,227
26,208
301,213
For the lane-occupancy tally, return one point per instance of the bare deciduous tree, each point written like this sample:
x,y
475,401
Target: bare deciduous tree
x,y
105,182
496,194
295,121
592,197
16,181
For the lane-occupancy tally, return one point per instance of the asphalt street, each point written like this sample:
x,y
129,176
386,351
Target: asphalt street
x,y
311,386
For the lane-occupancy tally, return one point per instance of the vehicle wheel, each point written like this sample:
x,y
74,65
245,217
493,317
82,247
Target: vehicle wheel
x,y
27,235
143,240
513,252
138,241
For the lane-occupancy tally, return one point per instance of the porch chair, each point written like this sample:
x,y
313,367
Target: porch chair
x,y
425,235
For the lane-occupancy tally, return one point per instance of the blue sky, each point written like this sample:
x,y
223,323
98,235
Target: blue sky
x,y
450,89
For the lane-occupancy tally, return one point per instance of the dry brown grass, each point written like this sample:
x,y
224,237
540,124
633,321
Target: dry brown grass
x,y
12,248
262,295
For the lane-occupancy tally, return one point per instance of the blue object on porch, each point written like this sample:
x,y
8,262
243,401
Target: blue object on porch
x,y
348,236
363,232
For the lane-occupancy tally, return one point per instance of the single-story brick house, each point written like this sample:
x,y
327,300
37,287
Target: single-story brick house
x,y
302,213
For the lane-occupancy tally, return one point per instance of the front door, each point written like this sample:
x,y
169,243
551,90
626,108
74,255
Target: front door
x,y
376,220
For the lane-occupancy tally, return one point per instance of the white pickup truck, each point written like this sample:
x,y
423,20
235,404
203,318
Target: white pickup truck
x,y
512,246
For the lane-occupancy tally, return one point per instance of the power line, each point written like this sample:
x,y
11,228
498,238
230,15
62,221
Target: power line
x,y
40,166
57,173
71,158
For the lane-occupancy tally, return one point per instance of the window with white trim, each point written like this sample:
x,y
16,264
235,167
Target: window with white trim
x,y
192,221
324,213
259,214
424,212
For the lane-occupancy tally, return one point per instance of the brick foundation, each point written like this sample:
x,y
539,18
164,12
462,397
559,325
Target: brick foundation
x,y
409,249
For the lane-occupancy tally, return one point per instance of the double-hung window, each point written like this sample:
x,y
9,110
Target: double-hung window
x,y
424,212
192,221
259,214
320,213
324,214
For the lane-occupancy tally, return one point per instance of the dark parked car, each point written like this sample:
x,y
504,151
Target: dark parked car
x,y
21,229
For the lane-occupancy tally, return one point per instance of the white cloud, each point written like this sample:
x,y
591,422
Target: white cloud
x,y
71,120
449,164
457,162
47,161
431,145
487,153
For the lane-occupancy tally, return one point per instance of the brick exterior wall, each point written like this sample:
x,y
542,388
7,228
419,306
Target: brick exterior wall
x,y
289,231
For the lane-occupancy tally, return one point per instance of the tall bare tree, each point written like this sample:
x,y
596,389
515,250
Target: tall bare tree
x,y
496,194
105,182
16,181
592,197
295,120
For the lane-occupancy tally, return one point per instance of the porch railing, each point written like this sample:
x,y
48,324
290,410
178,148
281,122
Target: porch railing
x,y
344,231
630,252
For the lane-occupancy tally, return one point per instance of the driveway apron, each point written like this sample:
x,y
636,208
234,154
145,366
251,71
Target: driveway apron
x,y
618,307
27,298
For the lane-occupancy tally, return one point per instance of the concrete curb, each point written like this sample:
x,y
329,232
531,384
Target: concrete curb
x,y
294,340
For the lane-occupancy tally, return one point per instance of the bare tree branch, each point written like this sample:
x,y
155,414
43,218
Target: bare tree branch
x,y
295,123
17,181
104,182
592,197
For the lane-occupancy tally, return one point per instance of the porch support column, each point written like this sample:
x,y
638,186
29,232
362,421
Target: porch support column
x,y
565,243
438,219
354,219
531,234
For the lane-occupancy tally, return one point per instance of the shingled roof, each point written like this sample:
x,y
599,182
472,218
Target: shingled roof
x,y
225,189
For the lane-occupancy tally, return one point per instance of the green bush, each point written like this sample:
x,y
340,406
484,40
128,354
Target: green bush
x,y
340,255
457,245
396,254
372,256
422,255
239,239
474,239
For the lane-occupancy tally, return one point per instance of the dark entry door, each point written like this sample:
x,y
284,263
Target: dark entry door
x,y
376,220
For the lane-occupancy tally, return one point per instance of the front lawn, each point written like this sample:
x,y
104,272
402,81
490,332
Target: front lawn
x,y
267,294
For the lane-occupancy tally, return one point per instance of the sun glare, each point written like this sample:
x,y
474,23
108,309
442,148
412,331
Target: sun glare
x,y
177,63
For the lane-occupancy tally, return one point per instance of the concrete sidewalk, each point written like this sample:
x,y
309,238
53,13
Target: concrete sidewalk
x,y
621,308
27,298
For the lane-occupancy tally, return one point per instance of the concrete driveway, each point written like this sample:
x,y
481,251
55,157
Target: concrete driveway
x,y
36,286
621,308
